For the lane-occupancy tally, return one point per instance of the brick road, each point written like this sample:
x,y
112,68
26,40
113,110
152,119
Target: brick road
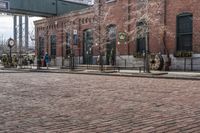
x,y
64,103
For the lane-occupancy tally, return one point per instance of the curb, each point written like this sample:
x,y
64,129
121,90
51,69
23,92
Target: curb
x,y
138,75
153,75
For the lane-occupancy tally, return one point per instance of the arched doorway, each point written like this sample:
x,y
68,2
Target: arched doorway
x,y
111,45
87,46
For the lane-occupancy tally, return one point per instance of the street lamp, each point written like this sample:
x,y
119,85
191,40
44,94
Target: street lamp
x,y
146,39
87,58
147,70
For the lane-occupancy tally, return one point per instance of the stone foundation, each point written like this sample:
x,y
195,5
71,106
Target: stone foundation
x,y
177,63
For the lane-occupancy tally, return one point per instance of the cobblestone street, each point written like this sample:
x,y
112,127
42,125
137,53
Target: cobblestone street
x,y
67,103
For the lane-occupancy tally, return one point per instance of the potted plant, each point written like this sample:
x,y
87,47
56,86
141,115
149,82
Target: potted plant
x,y
138,55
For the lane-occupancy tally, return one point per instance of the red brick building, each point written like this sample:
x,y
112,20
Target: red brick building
x,y
173,32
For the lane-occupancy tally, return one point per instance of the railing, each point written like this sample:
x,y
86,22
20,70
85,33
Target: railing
x,y
190,61
132,67
121,58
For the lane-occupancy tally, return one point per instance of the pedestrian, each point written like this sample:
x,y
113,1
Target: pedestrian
x,y
46,59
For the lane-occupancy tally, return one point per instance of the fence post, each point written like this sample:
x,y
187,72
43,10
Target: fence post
x,y
184,64
191,64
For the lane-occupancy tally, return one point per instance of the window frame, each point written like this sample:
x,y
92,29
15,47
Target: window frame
x,y
141,23
53,46
41,46
180,35
67,47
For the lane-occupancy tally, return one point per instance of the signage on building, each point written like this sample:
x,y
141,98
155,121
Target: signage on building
x,y
4,5
122,37
75,32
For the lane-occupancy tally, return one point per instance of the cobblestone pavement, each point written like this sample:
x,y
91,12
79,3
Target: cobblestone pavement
x,y
64,103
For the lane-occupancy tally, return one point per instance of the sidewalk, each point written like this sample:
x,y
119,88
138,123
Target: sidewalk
x,y
125,73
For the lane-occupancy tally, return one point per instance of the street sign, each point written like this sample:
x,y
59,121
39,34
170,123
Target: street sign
x,y
4,5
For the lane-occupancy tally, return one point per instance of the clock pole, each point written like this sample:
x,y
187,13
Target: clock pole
x,y
11,43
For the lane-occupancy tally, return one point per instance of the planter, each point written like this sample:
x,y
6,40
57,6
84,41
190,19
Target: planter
x,y
138,55
183,54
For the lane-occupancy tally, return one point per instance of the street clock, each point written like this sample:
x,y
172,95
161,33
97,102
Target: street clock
x,y
11,42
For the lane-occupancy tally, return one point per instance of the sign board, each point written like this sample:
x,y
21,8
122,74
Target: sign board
x,y
4,5
122,37
75,32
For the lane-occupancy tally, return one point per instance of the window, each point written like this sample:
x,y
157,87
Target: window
x,y
184,32
75,39
67,44
53,46
87,46
41,46
141,42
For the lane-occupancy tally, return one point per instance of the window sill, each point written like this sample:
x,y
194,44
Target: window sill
x,y
110,1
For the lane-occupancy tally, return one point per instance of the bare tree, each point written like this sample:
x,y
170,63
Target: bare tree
x,y
101,38
148,17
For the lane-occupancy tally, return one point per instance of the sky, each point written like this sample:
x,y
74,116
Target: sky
x,y
6,26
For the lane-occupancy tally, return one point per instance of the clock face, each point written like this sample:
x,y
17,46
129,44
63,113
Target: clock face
x,y
11,42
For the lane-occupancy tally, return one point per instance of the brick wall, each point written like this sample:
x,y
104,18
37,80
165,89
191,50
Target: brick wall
x,y
124,14
176,8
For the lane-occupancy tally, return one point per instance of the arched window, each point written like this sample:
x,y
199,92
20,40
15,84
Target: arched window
x,y
87,46
83,20
141,42
184,32
41,47
68,40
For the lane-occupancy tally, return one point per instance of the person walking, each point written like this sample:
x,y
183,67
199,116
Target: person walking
x,y
46,59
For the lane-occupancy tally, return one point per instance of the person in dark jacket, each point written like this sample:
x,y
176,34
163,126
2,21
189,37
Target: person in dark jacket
x,y
46,59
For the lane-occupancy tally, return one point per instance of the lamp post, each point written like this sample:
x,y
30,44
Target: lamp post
x,y
146,40
87,58
147,70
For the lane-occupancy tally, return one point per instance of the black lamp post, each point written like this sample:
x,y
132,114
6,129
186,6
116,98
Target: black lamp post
x,y
147,70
